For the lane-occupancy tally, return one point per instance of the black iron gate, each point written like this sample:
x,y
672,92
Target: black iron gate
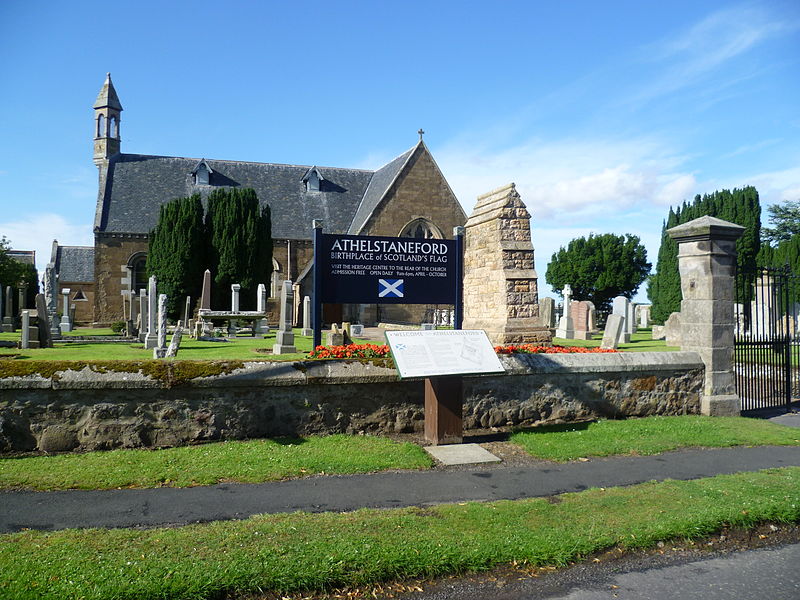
x,y
766,338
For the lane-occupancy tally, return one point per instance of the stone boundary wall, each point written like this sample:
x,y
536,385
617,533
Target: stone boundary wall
x,y
90,410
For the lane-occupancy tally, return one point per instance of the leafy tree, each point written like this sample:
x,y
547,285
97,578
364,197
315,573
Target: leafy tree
x,y
176,253
240,242
740,206
600,267
785,221
16,274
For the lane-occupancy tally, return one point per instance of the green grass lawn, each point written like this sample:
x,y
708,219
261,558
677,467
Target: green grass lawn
x,y
244,348
253,461
291,552
641,341
651,435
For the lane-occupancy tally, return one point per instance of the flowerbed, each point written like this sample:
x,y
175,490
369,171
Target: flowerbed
x,y
382,351
532,349
350,351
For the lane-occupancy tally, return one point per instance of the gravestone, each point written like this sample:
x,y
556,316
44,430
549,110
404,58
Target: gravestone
x,y
162,321
620,307
630,321
205,296
672,330
501,294
566,328
580,311
187,310
144,318
25,339
51,301
66,325
334,337
261,299
235,288
307,331
284,337
547,311
151,339
8,315
357,330
43,318
644,315
175,343
612,333
22,294
592,316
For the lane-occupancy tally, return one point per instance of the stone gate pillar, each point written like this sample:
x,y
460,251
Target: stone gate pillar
x,y
706,261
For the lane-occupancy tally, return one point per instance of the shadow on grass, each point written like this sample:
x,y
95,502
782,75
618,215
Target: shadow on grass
x,y
558,428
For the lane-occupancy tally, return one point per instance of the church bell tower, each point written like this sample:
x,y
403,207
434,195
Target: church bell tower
x,y
107,109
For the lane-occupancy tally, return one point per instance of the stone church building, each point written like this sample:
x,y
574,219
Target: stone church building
x,y
408,197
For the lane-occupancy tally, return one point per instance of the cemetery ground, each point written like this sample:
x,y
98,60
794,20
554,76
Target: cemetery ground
x,y
360,553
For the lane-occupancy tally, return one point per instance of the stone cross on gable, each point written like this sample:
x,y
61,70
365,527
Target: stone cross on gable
x,y
421,133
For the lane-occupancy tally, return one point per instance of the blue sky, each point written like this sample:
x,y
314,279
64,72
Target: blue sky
x,y
603,114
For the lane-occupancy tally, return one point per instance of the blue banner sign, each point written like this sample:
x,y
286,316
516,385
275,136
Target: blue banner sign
x,y
384,270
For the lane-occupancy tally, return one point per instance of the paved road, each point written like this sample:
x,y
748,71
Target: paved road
x,y
764,574
163,506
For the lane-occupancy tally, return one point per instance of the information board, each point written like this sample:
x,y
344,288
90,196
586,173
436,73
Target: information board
x,y
443,352
385,270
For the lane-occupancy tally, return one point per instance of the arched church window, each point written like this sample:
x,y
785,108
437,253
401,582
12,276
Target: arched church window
x,y
114,131
101,126
139,273
421,229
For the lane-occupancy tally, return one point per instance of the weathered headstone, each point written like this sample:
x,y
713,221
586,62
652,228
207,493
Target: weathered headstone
x,y
66,325
261,299
334,337
23,294
630,320
644,315
620,307
25,340
51,300
592,316
162,321
8,315
672,330
566,329
611,334
357,330
284,337
547,311
307,331
579,311
235,288
151,339
500,281
205,296
187,310
144,319
175,342
42,316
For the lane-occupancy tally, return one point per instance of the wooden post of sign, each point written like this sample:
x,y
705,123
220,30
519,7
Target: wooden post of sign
x,y
444,422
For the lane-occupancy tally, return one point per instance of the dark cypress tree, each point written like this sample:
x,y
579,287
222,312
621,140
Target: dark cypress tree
x,y
176,254
740,206
240,243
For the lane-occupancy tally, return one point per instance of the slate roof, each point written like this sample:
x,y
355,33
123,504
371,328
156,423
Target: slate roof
x,y
137,185
27,257
379,185
75,263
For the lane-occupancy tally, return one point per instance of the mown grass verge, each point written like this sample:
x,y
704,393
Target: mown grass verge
x,y
651,435
253,461
319,551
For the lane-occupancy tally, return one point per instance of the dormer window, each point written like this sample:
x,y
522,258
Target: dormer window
x,y
313,180
202,173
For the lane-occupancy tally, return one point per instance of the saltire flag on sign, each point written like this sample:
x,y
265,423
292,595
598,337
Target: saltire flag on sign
x,y
390,288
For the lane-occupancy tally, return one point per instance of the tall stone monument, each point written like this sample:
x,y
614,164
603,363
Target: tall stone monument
x,y
620,307
151,339
8,314
51,301
205,295
706,262
500,282
66,324
566,329
284,337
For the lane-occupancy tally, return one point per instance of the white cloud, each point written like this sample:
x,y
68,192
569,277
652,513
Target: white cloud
x,y
37,232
